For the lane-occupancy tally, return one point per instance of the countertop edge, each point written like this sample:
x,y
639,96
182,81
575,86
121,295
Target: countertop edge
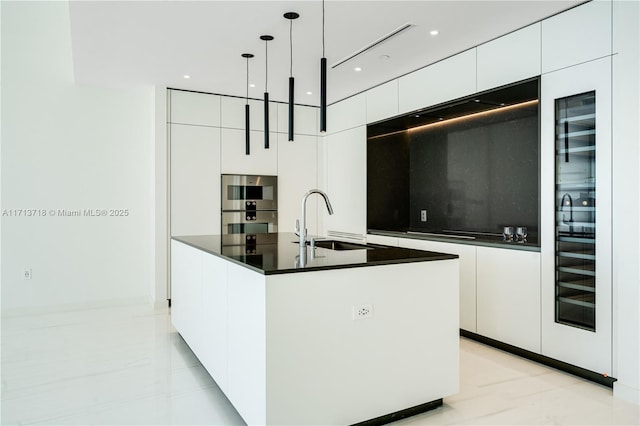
x,y
444,239
439,256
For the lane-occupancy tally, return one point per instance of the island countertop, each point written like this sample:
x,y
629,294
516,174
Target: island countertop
x,y
279,253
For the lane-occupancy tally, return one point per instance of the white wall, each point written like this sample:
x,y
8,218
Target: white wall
x,y
70,147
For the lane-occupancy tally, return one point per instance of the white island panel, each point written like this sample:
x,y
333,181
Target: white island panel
x,y
324,367
247,343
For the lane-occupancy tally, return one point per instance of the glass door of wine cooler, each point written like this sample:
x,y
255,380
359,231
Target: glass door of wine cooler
x,y
575,212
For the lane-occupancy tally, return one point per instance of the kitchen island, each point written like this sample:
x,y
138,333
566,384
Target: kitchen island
x,y
324,336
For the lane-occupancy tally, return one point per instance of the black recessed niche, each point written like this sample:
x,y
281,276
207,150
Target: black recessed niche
x,y
469,167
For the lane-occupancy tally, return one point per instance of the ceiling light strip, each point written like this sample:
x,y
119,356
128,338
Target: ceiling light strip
x,y
374,44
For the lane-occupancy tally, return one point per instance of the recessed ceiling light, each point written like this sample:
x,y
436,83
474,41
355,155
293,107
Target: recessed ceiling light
x,y
434,32
357,69
187,76
252,85
309,93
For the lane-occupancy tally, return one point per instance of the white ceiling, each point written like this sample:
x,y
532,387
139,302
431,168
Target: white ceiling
x,y
133,43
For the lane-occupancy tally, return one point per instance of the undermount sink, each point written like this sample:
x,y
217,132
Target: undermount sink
x,y
339,245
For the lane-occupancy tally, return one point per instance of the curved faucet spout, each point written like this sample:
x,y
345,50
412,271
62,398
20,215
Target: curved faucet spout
x,y
303,225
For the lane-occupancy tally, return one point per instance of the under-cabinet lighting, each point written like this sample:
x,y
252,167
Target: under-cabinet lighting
x,y
462,118
434,32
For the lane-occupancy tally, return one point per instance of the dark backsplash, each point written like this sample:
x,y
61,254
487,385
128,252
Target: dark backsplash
x,y
475,174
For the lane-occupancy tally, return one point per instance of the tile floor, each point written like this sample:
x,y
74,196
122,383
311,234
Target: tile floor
x,y
127,366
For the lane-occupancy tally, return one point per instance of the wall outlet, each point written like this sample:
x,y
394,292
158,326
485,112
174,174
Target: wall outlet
x,y
362,312
423,215
26,274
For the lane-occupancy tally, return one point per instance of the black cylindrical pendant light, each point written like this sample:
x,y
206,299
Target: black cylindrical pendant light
x,y
266,39
291,88
291,16
247,131
323,82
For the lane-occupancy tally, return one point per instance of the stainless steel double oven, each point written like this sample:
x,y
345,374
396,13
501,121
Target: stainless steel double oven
x,y
249,204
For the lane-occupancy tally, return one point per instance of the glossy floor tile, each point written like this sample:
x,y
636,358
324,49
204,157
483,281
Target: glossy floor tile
x,y
128,366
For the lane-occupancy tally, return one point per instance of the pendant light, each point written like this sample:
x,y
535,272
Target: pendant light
x,y
291,16
266,38
323,82
247,145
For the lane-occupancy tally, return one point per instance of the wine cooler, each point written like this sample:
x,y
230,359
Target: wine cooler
x,y
575,215
575,254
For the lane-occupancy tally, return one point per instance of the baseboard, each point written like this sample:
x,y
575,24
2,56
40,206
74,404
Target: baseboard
x,y
402,414
550,362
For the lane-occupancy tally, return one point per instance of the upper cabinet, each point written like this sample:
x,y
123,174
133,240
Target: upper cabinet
x,y
305,119
576,36
200,109
195,180
297,174
232,114
443,81
261,161
382,101
347,183
347,114
510,58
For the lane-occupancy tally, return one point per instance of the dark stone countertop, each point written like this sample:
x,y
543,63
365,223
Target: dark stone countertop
x,y
279,253
481,240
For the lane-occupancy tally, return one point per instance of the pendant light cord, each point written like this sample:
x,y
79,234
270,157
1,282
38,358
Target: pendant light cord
x,y
266,66
291,48
247,81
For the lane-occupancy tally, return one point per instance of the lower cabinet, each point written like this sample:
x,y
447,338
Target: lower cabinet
x,y
508,296
199,306
499,289
467,262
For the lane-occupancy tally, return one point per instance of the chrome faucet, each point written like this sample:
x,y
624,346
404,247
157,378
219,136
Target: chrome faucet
x,y
301,228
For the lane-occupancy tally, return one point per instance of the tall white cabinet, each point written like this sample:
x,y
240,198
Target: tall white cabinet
x,y
562,218
207,138
194,140
346,168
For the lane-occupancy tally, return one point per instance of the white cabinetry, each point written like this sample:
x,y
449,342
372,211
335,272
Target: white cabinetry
x,y
297,174
581,347
199,306
576,36
467,262
443,81
213,305
347,182
382,101
510,58
261,161
233,115
509,296
246,368
305,120
199,109
346,114
186,277
195,179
